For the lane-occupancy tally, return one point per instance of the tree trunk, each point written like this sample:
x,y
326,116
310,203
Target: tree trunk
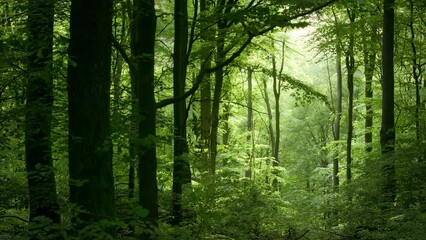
x,y
205,105
387,131
350,67
271,133
249,120
416,71
89,77
220,56
336,134
38,116
181,163
277,85
226,113
369,66
142,46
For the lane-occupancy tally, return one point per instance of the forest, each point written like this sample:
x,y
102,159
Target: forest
x,y
212,119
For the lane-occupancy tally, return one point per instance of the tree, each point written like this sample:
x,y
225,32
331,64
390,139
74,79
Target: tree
x,y
205,98
277,71
223,8
387,131
336,127
250,156
38,117
181,172
369,55
90,147
350,67
142,70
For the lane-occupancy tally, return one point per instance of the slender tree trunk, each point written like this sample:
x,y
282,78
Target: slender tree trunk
x,y
142,46
89,77
226,112
181,163
277,94
117,71
269,110
338,116
271,134
416,71
206,110
387,131
350,67
249,120
220,56
38,117
369,66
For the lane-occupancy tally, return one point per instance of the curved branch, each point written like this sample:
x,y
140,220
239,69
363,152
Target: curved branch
x,y
203,72
123,54
15,217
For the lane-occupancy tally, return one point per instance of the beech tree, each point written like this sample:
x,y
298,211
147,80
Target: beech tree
x,y
90,147
181,172
387,131
38,119
142,70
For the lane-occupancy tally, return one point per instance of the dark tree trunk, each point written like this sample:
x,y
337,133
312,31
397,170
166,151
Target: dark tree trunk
x,y
220,57
181,163
277,91
387,131
416,71
336,128
277,84
142,46
205,104
89,77
249,120
38,116
226,113
271,133
350,67
369,66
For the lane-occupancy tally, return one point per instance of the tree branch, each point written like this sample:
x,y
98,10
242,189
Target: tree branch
x,y
123,54
236,54
203,72
312,10
16,217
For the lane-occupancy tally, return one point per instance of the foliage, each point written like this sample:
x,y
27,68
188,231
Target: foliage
x,y
234,204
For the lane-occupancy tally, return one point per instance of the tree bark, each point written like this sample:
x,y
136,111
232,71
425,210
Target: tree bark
x,y
181,163
206,110
350,67
387,131
89,80
38,117
271,133
220,57
142,48
416,72
277,83
336,128
369,66
249,120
